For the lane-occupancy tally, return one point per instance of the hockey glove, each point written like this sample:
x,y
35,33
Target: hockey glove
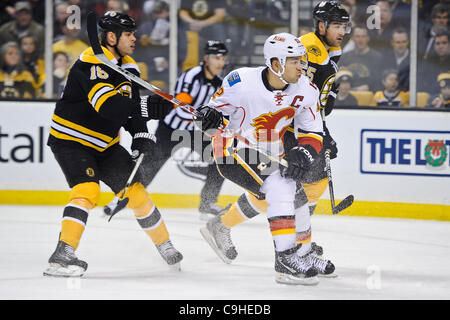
x,y
300,160
331,98
143,142
154,107
329,143
208,118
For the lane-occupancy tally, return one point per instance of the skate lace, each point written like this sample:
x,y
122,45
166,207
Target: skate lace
x,y
300,263
167,248
317,262
70,251
224,236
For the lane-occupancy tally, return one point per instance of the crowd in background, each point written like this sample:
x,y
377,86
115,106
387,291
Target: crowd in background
x,y
374,67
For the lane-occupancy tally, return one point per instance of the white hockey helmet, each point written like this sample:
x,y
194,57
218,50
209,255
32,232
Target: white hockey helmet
x,y
281,46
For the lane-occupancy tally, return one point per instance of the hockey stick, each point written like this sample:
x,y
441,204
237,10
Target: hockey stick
x,y
347,202
123,202
99,54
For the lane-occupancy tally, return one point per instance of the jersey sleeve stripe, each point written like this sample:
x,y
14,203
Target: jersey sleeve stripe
x,y
96,88
312,141
103,98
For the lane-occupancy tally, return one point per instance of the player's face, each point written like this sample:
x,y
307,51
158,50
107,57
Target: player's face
x,y
127,43
215,63
293,69
335,33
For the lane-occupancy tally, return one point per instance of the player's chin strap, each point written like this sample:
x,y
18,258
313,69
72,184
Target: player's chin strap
x,y
279,74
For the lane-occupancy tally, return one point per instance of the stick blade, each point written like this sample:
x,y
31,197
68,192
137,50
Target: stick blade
x,y
344,204
92,33
120,205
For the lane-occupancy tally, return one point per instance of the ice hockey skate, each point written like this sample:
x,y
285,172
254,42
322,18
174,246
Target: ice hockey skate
x,y
293,269
208,210
64,263
317,249
218,237
171,255
109,208
324,267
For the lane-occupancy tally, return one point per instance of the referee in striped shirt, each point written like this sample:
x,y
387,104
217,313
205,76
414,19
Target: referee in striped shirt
x,y
195,87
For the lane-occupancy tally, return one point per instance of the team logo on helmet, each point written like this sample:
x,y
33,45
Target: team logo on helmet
x,y
272,126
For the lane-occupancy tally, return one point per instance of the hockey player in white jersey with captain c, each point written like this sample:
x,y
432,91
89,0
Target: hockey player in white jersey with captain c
x,y
261,104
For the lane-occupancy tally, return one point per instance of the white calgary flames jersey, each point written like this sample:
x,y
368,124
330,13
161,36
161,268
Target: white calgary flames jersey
x,y
262,115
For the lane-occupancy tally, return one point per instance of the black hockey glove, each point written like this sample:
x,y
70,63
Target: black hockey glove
x,y
143,142
208,118
154,107
331,98
329,143
300,160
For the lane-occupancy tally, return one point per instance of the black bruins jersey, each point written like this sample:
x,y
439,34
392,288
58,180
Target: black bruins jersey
x,y
97,101
17,85
322,65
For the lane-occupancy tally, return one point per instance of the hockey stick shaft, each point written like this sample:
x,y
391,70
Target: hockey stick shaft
x,y
124,201
98,51
349,199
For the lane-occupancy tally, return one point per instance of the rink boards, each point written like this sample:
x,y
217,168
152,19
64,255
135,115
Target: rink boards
x,y
395,163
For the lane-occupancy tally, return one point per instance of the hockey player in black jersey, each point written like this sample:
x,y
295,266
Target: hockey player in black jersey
x,y
96,103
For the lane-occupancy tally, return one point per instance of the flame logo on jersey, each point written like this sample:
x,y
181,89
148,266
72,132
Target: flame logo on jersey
x,y
272,126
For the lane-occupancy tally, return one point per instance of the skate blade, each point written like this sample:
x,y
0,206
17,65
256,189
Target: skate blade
x,y
210,240
56,270
293,280
331,275
175,267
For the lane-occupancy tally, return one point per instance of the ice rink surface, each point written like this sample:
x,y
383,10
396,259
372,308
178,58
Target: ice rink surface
x,y
376,258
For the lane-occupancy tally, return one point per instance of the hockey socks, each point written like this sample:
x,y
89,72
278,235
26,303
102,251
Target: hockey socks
x,y
74,221
245,208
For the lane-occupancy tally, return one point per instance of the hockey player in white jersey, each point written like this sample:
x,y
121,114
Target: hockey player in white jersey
x,y
261,104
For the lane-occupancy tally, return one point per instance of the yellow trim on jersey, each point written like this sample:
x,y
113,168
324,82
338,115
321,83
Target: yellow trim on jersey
x,y
247,168
98,88
89,56
103,98
317,53
64,136
74,126
311,135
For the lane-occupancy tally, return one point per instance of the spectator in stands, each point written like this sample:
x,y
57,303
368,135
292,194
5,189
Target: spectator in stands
x,y
438,62
380,38
61,64
204,17
363,61
70,43
116,5
442,100
439,19
15,81
344,97
398,58
61,16
153,42
23,24
391,96
31,60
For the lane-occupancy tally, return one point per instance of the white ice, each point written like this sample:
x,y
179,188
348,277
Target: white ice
x,y
376,258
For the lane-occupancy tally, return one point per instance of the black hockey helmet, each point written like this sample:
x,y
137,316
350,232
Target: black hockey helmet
x,y
330,11
115,22
215,47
